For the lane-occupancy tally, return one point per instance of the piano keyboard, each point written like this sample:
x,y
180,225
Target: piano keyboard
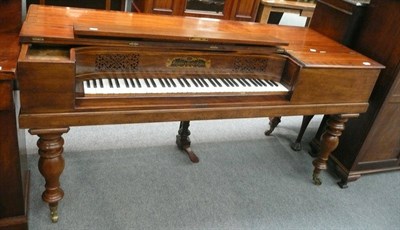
x,y
180,85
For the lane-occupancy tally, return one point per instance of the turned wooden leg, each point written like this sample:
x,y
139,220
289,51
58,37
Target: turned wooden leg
x,y
51,165
329,142
273,122
296,146
183,141
315,144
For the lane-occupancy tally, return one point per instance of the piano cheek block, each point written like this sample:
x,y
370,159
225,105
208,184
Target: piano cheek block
x,y
334,86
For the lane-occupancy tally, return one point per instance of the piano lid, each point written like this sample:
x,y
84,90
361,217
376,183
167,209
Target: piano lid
x,y
68,25
179,29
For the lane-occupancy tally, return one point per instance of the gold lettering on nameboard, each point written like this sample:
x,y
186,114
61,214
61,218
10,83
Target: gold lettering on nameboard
x,y
188,62
198,39
37,39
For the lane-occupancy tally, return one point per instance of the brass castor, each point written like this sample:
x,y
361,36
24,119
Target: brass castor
x,y
53,214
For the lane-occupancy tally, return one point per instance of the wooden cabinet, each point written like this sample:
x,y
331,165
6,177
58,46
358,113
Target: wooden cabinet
x,y
371,143
339,19
244,10
13,163
13,174
94,4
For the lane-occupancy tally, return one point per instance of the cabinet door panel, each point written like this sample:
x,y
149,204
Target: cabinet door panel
x,y
163,6
245,10
94,4
384,140
206,8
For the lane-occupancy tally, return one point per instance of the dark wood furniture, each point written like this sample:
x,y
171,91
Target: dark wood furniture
x,y
92,4
373,141
339,20
13,168
60,85
244,10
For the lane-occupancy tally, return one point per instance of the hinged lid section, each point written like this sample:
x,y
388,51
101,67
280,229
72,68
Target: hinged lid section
x,y
178,29
74,26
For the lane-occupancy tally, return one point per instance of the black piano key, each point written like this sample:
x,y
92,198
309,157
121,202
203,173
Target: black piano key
x,y
194,82
138,83
212,82
147,82
264,82
117,83
126,83
229,82
225,82
132,82
94,83
101,83
249,81
261,82
181,82
275,84
254,83
199,82
257,82
186,82
270,83
234,82
167,82
153,82
218,83
204,82
88,84
172,82
241,82
246,82
161,82
110,82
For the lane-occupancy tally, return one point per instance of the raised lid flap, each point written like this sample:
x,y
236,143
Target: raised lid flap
x,y
184,29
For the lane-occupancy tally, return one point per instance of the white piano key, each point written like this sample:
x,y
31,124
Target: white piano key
x,y
106,88
122,86
96,85
87,87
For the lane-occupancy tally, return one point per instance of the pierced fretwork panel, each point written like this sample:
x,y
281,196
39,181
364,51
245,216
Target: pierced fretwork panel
x,y
250,65
117,62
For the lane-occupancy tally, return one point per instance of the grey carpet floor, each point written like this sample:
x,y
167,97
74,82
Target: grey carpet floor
x,y
134,177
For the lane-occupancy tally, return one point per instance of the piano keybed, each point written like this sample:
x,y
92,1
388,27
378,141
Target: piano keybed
x,y
193,85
